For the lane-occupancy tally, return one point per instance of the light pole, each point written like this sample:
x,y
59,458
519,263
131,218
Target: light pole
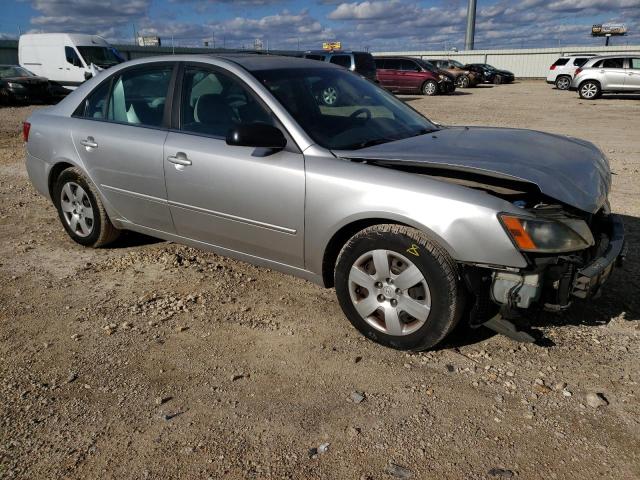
x,y
471,26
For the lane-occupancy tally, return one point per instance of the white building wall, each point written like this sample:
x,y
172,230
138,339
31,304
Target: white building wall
x,y
524,63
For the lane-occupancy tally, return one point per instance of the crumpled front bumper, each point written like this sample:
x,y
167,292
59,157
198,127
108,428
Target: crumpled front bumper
x,y
589,279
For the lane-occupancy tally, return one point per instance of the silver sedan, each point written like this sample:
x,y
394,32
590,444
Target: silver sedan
x,y
416,225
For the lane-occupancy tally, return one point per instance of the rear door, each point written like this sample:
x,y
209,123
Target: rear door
x,y
119,133
632,81
240,199
614,73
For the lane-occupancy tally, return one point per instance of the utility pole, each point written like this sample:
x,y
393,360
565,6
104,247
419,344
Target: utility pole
x,y
471,26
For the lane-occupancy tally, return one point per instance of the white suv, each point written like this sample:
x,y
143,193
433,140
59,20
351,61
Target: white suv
x,y
610,74
562,71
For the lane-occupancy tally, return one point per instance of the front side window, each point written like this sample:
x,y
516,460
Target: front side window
x,y
101,56
362,115
72,57
409,66
138,96
342,60
212,103
613,63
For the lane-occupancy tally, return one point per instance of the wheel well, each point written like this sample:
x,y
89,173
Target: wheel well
x,y
590,80
339,239
57,169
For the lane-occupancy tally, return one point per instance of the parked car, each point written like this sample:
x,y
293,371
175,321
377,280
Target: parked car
x,y
464,78
412,75
18,85
491,74
411,221
563,69
66,59
359,62
608,74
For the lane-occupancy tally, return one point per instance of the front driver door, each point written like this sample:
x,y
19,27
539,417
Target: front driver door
x,y
242,199
119,135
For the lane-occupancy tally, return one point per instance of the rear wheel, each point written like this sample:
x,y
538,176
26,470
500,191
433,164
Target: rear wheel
x,y
81,211
463,81
563,82
590,90
430,88
398,288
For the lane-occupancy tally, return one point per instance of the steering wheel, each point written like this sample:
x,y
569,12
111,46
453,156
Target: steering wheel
x,y
359,111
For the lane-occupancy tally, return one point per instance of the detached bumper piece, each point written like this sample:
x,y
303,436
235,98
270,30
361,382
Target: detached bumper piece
x,y
588,280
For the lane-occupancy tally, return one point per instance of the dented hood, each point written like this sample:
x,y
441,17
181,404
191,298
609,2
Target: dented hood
x,y
566,169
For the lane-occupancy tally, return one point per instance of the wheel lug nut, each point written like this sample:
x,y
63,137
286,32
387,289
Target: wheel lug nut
x,y
378,284
381,298
398,291
394,302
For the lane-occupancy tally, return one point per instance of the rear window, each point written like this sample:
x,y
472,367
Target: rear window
x,y
578,62
364,62
612,63
561,61
342,60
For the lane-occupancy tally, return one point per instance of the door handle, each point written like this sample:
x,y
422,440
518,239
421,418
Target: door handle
x,y
179,159
89,142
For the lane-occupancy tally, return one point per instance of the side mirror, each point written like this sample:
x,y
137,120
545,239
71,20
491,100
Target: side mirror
x,y
87,75
258,135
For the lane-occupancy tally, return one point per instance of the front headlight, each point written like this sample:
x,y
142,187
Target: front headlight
x,y
17,86
441,77
542,236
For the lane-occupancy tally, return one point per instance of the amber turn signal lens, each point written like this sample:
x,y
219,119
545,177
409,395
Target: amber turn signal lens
x,y
518,233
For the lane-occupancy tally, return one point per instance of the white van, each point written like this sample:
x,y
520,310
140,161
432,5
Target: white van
x,y
67,59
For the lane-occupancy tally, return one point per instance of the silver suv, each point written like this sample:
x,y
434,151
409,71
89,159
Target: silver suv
x,y
610,74
563,69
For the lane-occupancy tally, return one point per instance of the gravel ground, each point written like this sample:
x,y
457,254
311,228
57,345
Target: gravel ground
x,y
154,360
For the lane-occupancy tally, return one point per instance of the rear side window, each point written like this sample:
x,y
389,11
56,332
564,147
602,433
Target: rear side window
x,y
560,62
364,61
613,63
95,105
578,62
392,64
634,63
139,96
342,60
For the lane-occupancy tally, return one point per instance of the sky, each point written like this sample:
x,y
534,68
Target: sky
x,y
376,25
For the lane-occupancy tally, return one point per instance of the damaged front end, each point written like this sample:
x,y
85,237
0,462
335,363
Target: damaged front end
x,y
570,255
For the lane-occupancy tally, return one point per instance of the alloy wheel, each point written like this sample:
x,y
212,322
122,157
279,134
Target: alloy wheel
x,y
589,90
389,292
430,88
77,209
563,83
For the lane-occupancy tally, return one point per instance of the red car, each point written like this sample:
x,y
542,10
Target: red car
x,y
411,75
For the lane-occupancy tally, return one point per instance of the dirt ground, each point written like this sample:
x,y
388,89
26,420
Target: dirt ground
x,y
153,360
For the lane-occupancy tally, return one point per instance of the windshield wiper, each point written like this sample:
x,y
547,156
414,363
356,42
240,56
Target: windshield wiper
x,y
370,143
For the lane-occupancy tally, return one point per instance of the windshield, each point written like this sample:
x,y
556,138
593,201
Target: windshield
x,y
428,66
11,71
456,63
340,110
101,56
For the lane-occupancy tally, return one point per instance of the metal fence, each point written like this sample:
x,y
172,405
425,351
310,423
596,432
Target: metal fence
x,y
524,63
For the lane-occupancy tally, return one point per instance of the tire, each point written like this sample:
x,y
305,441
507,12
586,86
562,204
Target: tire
x,y
429,88
497,80
81,211
436,298
589,90
463,81
563,82
330,95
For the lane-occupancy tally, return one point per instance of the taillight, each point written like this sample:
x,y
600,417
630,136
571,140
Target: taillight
x,y
552,67
26,127
578,70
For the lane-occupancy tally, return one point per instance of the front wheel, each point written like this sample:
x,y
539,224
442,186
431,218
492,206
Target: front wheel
x,y
398,287
430,88
497,80
81,211
590,90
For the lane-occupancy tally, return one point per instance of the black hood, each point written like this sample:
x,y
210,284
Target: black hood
x,y
25,80
572,171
